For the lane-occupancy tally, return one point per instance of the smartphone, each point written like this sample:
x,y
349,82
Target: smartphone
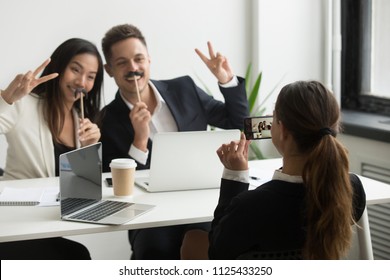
x,y
109,182
256,128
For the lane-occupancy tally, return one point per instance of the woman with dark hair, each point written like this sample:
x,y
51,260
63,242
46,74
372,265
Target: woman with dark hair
x,y
42,124
41,119
311,203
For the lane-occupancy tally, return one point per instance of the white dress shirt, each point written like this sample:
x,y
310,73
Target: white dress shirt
x,y
243,176
162,120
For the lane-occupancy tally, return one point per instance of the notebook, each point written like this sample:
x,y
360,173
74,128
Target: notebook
x,y
29,196
81,190
186,160
19,197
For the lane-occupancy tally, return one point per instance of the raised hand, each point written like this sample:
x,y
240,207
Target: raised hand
x,y
234,156
140,118
23,84
218,65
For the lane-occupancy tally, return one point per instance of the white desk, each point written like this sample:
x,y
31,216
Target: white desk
x,y
376,192
172,208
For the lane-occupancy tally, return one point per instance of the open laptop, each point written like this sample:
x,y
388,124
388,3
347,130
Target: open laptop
x,y
186,160
81,190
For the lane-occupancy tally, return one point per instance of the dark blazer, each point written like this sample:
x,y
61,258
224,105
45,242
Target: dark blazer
x,y
267,219
191,107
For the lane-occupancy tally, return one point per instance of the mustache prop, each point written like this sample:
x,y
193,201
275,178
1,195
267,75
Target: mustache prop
x,y
82,93
80,90
132,76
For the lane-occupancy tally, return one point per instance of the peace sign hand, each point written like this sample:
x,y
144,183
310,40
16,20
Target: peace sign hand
x,y
218,65
23,84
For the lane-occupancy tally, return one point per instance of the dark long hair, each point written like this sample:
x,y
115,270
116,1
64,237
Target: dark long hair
x,y
311,113
53,100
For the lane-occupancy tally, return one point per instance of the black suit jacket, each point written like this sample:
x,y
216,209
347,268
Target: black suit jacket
x,y
191,107
267,219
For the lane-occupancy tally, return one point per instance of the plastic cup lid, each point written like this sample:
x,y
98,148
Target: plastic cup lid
x,y
123,163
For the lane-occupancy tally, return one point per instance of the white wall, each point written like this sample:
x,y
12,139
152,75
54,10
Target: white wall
x,y
31,30
290,42
361,150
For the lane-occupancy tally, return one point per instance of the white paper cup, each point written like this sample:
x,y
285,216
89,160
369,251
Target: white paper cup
x,y
122,172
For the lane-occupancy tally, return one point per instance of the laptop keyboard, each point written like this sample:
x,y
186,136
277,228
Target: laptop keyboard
x,y
100,211
70,205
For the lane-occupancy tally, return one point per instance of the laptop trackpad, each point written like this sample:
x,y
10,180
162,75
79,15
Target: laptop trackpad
x,y
134,210
127,214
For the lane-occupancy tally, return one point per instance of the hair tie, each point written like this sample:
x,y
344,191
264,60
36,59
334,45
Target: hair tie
x,y
326,131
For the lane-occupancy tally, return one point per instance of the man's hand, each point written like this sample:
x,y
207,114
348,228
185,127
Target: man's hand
x,y
140,118
218,65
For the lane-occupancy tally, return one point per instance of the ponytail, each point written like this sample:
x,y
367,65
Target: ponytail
x,y
328,199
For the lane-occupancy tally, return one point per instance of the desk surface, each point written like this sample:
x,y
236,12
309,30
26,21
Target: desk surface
x,y
172,208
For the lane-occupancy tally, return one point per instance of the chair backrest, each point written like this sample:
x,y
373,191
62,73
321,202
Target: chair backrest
x,y
361,248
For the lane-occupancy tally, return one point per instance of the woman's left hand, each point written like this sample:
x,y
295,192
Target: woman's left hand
x,y
89,133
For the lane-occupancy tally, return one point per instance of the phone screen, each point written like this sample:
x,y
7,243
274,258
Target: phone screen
x,y
256,128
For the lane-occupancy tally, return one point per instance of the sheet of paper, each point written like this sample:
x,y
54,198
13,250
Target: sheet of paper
x,y
258,177
50,197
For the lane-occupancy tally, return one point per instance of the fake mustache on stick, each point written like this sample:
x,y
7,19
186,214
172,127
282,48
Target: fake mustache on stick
x,y
133,76
82,93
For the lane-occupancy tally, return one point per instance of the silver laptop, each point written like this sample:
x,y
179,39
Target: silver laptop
x,y
81,190
186,160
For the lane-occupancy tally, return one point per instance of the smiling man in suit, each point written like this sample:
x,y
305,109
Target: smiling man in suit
x,y
143,107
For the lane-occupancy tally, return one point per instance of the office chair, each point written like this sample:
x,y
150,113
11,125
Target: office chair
x,y
361,248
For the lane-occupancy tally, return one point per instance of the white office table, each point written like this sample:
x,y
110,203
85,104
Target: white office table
x,y
172,208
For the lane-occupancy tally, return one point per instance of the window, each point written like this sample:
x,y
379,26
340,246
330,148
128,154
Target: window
x,y
365,69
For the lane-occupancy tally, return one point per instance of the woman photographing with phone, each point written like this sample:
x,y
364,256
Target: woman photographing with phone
x,y
311,203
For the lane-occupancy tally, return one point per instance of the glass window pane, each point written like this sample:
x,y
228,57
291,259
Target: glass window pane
x,y
380,67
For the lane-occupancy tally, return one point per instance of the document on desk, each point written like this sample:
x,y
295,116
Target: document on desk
x,y
258,177
50,197
29,196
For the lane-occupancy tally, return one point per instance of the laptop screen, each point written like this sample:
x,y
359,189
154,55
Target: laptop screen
x,y
187,160
81,173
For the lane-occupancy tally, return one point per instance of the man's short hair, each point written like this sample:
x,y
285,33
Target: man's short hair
x,y
119,33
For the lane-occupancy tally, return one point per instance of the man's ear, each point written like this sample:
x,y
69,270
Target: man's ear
x,y
108,69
